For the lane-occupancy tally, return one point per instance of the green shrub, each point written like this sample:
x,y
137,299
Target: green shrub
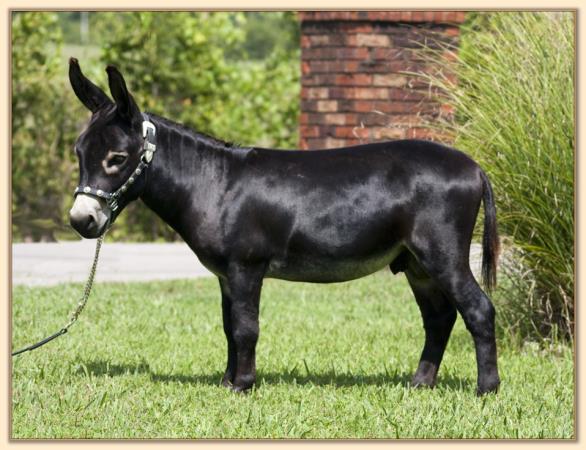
x,y
515,114
44,126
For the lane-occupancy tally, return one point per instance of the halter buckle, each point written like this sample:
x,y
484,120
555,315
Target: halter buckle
x,y
148,133
146,127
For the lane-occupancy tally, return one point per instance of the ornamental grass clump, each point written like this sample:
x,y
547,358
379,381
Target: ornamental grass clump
x,y
514,103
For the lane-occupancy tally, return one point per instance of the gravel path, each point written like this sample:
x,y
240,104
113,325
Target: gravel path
x,y
63,262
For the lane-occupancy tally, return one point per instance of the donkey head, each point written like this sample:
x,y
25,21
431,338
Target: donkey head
x,y
108,150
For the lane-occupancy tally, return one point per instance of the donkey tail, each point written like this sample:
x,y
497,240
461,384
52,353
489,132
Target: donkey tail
x,y
490,239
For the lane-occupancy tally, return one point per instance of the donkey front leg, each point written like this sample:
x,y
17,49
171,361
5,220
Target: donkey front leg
x,y
240,301
228,377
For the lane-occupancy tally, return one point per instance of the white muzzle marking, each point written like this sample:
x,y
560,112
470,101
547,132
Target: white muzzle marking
x,y
87,205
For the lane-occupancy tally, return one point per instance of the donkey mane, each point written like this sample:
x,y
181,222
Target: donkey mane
x,y
199,137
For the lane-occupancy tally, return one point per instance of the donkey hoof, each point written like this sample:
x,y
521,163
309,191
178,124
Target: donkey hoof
x,y
418,382
241,389
489,387
227,379
243,384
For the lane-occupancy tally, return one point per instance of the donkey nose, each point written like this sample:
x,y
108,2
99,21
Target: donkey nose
x,y
83,222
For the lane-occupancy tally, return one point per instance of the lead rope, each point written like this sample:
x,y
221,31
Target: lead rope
x,y
80,305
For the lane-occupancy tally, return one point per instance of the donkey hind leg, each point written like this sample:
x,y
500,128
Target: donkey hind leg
x,y
240,307
453,276
438,315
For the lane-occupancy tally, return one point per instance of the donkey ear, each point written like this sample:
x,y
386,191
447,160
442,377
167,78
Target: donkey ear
x,y
87,92
125,104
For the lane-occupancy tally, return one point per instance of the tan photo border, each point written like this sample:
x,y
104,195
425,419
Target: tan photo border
x,y
5,207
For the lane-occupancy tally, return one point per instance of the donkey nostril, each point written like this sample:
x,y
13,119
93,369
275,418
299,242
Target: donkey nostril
x,y
83,222
91,222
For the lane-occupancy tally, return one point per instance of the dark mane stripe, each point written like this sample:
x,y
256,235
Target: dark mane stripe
x,y
197,136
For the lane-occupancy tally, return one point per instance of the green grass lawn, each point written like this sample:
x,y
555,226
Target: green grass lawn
x,y
334,361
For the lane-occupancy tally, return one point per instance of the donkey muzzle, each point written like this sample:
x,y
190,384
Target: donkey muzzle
x,y
89,216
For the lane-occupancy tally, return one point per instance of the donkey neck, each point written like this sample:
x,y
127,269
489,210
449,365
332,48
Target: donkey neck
x,y
188,176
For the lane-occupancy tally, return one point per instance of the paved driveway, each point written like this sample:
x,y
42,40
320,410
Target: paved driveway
x,y
53,263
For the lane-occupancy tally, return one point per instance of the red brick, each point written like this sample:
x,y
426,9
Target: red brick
x,y
406,120
305,68
386,133
451,16
334,66
429,16
309,131
319,40
317,118
352,28
351,66
400,66
308,105
372,40
327,66
336,40
335,143
363,106
355,132
375,15
358,79
335,53
426,133
315,144
374,119
361,93
373,66
416,82
305,41
417,16
314,93
387,54
390,79
327,106
407,95
340,119
443,16
350,40
304,118
326,130
318,79
397,107
406,16
310,80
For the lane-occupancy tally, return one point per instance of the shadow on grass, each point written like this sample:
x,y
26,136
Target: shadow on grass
x,y
328,378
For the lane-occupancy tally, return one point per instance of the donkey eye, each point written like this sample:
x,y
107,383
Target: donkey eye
x,y
117,159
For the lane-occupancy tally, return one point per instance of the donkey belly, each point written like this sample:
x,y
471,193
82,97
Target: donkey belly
x,y
316,268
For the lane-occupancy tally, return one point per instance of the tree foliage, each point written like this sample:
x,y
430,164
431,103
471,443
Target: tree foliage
x,y
43,124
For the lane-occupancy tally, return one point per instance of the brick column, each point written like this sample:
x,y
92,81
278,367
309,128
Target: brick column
x,y
354,86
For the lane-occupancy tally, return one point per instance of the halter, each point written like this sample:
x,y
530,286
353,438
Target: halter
x,y
149,147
